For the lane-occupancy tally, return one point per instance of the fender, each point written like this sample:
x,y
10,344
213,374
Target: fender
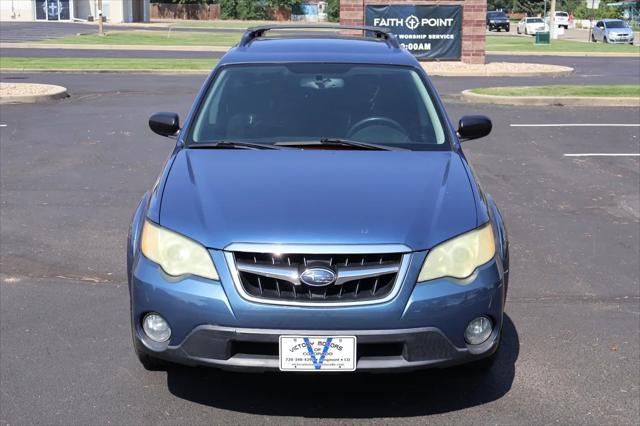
x,y
134,232
502,239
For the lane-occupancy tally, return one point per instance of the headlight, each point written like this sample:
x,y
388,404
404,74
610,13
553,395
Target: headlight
x,y
460,256
176,255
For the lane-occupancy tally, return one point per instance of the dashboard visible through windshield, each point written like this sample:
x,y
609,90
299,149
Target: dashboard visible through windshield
x,y
288,103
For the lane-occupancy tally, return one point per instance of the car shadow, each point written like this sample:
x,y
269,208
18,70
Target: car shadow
x,y
351,395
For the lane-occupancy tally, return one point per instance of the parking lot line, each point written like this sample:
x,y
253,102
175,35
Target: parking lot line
x,y
577,125
603,154
3,125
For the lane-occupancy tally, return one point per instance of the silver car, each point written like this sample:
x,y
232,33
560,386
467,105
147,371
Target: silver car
x,y
612,31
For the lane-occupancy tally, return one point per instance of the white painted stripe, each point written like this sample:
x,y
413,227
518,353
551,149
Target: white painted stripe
x,y
577,125
603,154
3,125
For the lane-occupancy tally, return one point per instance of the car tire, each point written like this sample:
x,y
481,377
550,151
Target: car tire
x,y
604,40
593,38
517,30
526,31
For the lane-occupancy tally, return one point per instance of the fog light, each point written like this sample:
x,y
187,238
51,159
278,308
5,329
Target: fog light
x,y
478,331
156,328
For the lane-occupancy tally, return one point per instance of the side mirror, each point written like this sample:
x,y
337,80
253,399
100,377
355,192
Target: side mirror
x,y
165,123
474,127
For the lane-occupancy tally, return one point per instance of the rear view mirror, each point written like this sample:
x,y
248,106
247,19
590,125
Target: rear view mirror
x,y
474,127
165,123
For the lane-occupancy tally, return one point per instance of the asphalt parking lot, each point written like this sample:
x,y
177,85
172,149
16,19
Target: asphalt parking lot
x,y
73,171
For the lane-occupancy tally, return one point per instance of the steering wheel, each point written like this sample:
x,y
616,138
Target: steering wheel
x,y
373,121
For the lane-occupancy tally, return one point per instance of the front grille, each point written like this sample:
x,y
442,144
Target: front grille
x,y
359,277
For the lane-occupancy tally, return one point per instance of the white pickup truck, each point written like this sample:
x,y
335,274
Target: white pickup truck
x,y
562,19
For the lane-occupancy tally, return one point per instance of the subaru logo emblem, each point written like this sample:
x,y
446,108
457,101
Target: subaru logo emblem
x,y
318,276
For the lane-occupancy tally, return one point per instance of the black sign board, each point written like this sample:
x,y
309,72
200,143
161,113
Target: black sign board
x,y
429,32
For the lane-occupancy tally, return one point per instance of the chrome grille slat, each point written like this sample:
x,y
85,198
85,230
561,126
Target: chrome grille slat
x,y
360,278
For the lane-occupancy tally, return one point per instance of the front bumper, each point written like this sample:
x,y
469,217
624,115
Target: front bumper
x,y
378,350
499,25
422,326
620,39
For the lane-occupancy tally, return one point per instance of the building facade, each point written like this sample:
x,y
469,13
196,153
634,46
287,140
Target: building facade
x,y
114,11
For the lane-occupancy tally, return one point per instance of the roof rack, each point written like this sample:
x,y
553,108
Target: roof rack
x,y
382,33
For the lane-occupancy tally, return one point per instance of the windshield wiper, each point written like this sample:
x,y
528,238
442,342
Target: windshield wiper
x,y
230,145
341,142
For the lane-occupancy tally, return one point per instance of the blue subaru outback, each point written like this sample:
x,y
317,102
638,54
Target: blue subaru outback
x,y
317,214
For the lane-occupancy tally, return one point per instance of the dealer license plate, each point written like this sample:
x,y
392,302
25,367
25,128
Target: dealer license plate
x,y
317,353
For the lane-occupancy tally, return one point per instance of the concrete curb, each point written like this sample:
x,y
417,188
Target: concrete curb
x,y
54,92
114,47
571,54
106,71
503,74
551,71
580,101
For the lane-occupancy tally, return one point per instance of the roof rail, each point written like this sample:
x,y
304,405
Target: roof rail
x,y
255,32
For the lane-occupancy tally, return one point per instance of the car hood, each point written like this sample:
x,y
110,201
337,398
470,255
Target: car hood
x,y
415,198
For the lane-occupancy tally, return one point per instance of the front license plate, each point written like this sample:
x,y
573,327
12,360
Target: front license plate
x,y
317,353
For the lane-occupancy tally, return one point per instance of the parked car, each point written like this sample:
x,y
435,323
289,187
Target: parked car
x,y
498,20
612,31
317,213
562,20
531,26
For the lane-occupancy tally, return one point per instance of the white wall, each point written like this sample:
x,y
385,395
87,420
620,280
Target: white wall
x,y
115,10
16,10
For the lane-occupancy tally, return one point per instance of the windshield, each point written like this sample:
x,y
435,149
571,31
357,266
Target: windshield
x,y
562,14
534,21
497,15
282,103
615,24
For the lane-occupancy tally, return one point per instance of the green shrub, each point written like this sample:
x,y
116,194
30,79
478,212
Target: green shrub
x,y
602,12
228,9
253,9
333,10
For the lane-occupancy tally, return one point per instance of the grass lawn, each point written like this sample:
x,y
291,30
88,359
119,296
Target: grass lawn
x,y
106,63
526,44
563,90
166,38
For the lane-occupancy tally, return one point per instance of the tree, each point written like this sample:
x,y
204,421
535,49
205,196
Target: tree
x,y
184,1
253,9
602,12
228,9
333,10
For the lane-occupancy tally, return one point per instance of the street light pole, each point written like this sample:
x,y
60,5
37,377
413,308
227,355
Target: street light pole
x,y
100,24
